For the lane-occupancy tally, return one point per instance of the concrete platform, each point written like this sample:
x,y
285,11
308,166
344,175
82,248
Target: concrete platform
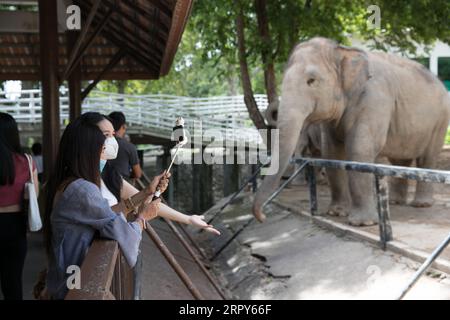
x,y
290,256
416,231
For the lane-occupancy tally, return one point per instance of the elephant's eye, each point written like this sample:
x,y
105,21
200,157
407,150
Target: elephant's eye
x,y
310,81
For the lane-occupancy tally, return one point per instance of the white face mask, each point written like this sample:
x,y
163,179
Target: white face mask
x,y
111,148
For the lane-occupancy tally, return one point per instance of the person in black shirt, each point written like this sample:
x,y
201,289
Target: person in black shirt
x,y
127,161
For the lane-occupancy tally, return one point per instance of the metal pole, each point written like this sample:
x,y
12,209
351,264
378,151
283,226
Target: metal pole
x,y
173,262
232,238
194,244
236,193
276,193
383,210
254,181
284,184
425,266
311,176
194,256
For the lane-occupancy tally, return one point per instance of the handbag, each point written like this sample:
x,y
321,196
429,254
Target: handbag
x,y
34,216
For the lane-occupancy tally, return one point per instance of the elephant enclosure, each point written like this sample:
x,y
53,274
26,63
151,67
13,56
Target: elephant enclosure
x,y
294,256
417,228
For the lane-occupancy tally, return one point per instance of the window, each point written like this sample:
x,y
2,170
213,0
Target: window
x,y
444,71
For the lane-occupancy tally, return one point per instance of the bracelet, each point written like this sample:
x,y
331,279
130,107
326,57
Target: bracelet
x,y
144,223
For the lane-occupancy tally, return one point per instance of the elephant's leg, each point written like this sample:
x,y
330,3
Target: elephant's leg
x,y
338,182
424,190
398,189
363,145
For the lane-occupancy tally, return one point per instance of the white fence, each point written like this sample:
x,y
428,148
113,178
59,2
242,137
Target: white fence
x,y
157,113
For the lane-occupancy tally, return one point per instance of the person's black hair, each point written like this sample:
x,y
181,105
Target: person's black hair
x,y
78,157
9,144
36,148
118,119
112,179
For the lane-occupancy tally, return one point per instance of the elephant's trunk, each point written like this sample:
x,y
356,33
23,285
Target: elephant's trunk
x,y
290,126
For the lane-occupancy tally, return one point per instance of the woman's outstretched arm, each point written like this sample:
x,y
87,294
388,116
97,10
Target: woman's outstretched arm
x,y
167,212
198,221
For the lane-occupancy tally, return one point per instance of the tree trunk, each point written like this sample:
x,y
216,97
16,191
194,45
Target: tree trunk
x,y
266,52
249,98
121,85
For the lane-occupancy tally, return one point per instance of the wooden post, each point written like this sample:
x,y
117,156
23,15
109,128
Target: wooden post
x,y
48,37
74,79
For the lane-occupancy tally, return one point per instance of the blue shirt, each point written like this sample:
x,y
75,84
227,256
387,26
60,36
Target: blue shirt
x,y
79,212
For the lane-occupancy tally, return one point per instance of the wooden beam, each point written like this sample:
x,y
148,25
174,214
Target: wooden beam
x,y
74,80
120,31
91,38
19,76
117,57
48,35
136,53
179,19
83,33
147,14
135,21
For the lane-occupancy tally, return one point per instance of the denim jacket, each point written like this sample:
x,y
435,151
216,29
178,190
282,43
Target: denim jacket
x,y
79,212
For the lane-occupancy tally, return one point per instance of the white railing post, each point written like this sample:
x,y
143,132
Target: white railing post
x,y
31,107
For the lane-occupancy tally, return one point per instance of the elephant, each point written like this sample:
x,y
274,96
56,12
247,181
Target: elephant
x,y
368,105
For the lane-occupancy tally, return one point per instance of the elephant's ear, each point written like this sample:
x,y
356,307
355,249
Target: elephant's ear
x,y
353,66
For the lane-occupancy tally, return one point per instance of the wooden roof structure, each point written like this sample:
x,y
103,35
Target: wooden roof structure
x,y
145,33
116,40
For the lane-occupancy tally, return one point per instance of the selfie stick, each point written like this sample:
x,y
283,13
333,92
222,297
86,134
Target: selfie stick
x,y
181,141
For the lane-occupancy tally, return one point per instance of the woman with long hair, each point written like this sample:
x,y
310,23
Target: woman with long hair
x,y
114,188
76,211
14,173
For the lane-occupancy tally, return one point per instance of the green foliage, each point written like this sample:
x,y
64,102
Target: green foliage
x,y
447,137
206,62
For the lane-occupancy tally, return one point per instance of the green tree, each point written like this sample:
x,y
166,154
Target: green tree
x,y
209,62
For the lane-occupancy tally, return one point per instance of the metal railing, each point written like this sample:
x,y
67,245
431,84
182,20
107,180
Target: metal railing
x,y
154,113
380,173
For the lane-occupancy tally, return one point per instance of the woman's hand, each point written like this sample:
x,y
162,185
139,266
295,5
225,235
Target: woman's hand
x,y
199,222
160,182
149,209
